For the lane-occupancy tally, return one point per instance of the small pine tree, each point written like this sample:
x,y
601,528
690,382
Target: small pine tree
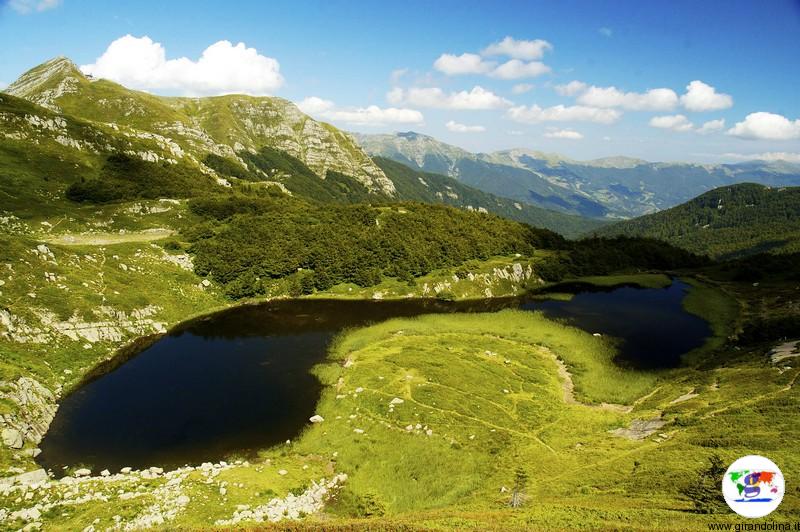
x,y
520,482
705,491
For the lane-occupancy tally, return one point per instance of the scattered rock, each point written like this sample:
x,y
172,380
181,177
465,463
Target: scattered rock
x,y
12,438
639,429
83,472
316,419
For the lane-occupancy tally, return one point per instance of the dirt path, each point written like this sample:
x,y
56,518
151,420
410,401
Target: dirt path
x,y
569,388
106,239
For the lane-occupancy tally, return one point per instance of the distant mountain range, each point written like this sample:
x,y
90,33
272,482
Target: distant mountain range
x,y
613,187
54,120
727,222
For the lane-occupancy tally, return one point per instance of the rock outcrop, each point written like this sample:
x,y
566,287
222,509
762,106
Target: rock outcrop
x,y
35,409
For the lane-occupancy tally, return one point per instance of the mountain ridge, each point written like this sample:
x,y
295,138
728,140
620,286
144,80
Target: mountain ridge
x,y
253,141
616,187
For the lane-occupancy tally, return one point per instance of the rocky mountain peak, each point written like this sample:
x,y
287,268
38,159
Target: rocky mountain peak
x,y
44,84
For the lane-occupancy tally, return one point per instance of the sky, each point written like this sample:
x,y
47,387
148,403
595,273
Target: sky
x,y
711,81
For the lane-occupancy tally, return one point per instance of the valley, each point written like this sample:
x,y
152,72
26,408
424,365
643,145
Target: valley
x,y
218,312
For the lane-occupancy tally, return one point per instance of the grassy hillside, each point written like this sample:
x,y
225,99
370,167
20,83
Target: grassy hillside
x,y
726,222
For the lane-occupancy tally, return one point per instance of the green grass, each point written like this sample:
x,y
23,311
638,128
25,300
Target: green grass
x,y
643,280
490,393
717,307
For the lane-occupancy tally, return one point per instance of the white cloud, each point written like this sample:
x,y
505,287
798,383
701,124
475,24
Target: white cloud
x,y
516,69
572,88
766,156
702,97
563,134
29,6
516,132
673,122
560,113
605,32
374,116
359,116
315,105
3,85
397,75
477,98
528,50
711,126
652,100
768,126
454,65
521,88
223,68
461,128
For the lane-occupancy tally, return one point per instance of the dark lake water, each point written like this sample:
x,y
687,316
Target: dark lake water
x,y
239,380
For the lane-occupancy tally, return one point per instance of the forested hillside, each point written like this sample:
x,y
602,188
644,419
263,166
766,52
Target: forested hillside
x,y
726,222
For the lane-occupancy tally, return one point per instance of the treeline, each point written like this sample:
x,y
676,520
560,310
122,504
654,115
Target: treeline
x,y
603,256
246,241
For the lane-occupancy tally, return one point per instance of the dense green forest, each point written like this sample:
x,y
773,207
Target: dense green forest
x,y
246,240
726,222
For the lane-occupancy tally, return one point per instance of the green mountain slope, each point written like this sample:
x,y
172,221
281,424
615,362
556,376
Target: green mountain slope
x,y
430,187
122,144
613,187
726,222
187,129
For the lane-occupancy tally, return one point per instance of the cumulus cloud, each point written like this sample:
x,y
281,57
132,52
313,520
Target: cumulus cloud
x,y
374,116
223,68
315,105
519,49
461,128
563,134
711,126
673,122
652,100
516,69
32,6
559,113
572,88
766,156
454,65
359,116
476,99
702,97
521,88
767,126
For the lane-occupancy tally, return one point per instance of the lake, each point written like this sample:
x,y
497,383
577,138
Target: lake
x,y
239,380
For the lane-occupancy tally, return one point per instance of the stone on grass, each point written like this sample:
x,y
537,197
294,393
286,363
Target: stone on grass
x,y
316,418
12,438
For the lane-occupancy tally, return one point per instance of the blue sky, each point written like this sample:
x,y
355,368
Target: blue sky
x,y
379,67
